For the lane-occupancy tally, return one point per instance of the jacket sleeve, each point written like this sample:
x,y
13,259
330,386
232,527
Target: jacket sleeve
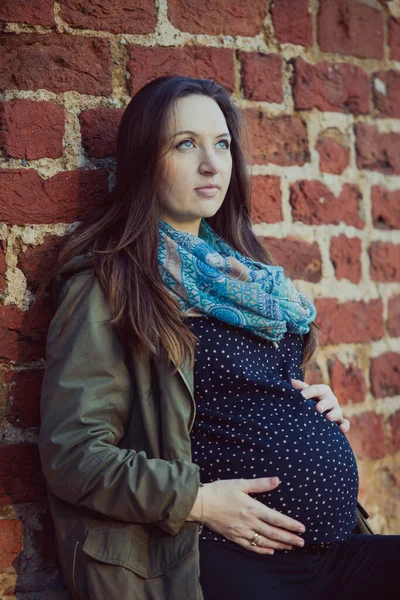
x,y
85,399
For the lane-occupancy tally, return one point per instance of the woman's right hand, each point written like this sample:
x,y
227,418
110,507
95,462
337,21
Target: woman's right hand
x,y
230,511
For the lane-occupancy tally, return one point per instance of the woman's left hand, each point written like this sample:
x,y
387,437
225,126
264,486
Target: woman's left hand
x,y
327,401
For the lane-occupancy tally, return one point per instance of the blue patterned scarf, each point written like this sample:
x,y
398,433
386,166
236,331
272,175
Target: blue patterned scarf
x,y
207,276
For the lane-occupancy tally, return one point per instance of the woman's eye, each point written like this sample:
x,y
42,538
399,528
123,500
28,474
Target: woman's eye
x,y
184,142
226,142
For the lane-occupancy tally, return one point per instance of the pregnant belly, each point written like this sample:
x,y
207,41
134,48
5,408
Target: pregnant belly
x,y
291,440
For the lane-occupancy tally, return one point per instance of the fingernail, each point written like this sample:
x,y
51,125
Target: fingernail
x,y
303,393
301,529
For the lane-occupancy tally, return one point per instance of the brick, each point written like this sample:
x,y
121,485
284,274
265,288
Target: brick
x,y
261,76
300,259
394,37
99,129
21,478
345,254
3,265
64,198
367,436
314,203
350,27
31,129
313,374
225,16
347,382
266,199
393,322
385,207
292,22
34,12
23,334
55,62
330,87
385,375
40,259
117,16
387,101
394,426
11,542
384,261
334,153
377,151
349,322
280,140
190,61
25,398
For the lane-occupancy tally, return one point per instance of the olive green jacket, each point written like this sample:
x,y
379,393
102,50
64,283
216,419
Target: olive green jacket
x,y
115,451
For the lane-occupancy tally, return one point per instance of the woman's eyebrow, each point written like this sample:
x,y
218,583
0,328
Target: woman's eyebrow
x,y
188,131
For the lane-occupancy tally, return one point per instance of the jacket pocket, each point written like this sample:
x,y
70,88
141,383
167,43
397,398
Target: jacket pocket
x,y
132,548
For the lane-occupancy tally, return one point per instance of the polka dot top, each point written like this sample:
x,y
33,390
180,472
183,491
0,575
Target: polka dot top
x,y
251,422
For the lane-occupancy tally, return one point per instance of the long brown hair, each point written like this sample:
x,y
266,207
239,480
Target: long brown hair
x,y
124,240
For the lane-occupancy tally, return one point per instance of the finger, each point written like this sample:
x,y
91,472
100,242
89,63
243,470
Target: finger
x,y
259,484
318,390
279,536
276,519
344,425
265,542
335,415
325,404
298,384
257,549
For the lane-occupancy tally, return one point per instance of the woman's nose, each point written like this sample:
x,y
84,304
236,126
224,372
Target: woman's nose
x,y
209,163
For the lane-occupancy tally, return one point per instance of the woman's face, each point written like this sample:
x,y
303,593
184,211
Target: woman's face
x,y
197,155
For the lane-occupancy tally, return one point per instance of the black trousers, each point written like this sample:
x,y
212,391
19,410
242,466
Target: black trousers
x,y
365,567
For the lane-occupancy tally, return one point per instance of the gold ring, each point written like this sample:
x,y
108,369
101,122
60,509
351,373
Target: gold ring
x,y
254,539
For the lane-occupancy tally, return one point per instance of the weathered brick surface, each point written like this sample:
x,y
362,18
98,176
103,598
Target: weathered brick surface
x,y
350,27
34,12
21,479
3,265
313,373
394,37
385,207
345,254
24,398
205,63
31,129
377,151
314,203
292,21
300,259
394,425
393,322
387,102
55,62
63,198
23,333
367,436
349,322
330,87
347,382
334,153
281,140
261,76
266,204
99,129
117,16
11,540
385,261
385,375
39,259
226,16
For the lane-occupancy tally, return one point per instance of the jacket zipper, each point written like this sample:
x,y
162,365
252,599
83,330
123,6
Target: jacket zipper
x,y
191,422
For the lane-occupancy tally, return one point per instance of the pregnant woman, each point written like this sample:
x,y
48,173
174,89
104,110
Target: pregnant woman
x,y
185,457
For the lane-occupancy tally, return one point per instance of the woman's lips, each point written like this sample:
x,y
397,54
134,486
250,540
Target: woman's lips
x,y
207,191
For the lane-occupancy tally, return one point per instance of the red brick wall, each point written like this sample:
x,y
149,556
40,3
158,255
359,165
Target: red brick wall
x,y
319,83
